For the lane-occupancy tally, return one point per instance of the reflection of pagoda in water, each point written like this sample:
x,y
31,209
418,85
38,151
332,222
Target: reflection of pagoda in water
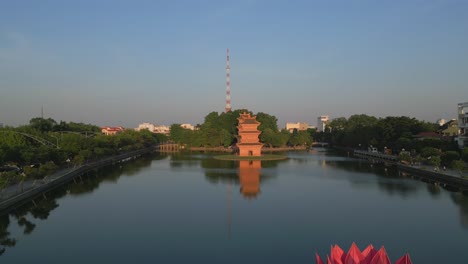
x,y
249,177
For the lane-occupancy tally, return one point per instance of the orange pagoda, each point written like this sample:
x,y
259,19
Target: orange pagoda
x,y
247,139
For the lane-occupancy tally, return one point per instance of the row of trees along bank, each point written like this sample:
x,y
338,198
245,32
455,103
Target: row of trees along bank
x,y
357,132
394,134
221,130
43,146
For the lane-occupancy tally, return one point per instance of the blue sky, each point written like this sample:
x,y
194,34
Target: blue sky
x,y
126,62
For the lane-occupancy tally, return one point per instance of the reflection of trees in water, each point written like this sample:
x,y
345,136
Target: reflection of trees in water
x,y
5,239
388,178
135,166
391,182
434,190
181,159
462,201
41,207
219,176
91,181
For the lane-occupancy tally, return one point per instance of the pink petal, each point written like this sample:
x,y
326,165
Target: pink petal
x,y
354,255
381,257
337,255
318,260
328,260
404,260
368,254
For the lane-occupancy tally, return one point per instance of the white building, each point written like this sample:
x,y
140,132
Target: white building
x,y
322,122
463,124
147,126
161,129
299,126
187,126
441,121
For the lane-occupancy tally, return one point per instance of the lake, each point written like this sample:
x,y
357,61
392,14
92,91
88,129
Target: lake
x,y
190,208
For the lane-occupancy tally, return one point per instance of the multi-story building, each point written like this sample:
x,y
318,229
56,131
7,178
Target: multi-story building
x,y
463,124
162,129
159,129
147,126
450,128
322,122
111,130
299,126
187,126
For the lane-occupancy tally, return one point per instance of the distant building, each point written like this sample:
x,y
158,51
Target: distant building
x,y
322,122
147,126
299,126
158,129
1,125
187,126
441,121
162,129
463,124
111,130
450,128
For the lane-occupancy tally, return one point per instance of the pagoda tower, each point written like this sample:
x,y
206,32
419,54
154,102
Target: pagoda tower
x,y
247,139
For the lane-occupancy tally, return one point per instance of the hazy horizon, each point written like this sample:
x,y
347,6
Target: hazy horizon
x,y
123,63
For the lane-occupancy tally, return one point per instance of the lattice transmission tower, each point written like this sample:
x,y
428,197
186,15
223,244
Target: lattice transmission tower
x,y
228,83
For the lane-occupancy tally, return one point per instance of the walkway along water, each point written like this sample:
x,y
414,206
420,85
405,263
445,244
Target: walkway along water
x,y
19,194
450,179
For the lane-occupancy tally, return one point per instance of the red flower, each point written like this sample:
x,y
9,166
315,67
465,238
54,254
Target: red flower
x,y
355,256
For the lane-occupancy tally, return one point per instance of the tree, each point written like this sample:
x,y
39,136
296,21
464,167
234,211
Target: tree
x,y
429,152
41,124
267,121
458,165
434,160
450,156
465,154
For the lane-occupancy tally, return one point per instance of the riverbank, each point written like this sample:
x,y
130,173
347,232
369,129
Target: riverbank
x,y
452,179
21,193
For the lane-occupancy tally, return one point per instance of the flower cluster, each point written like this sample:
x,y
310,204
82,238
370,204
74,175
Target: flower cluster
x,y
355,256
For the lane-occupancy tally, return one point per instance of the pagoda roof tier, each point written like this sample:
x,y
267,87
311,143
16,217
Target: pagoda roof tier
x,y
249,121
251,132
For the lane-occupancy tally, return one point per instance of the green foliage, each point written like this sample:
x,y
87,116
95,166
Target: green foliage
x,y
434,160
7,178
449,156
299,138
41,124
429,151
458,165
404,156
31,172
267,122
221,130
47,168
465,154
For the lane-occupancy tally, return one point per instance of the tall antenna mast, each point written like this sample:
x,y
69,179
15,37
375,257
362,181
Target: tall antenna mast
x,y
228,83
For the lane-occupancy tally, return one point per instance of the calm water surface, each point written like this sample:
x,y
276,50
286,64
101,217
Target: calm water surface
x,y
193,209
